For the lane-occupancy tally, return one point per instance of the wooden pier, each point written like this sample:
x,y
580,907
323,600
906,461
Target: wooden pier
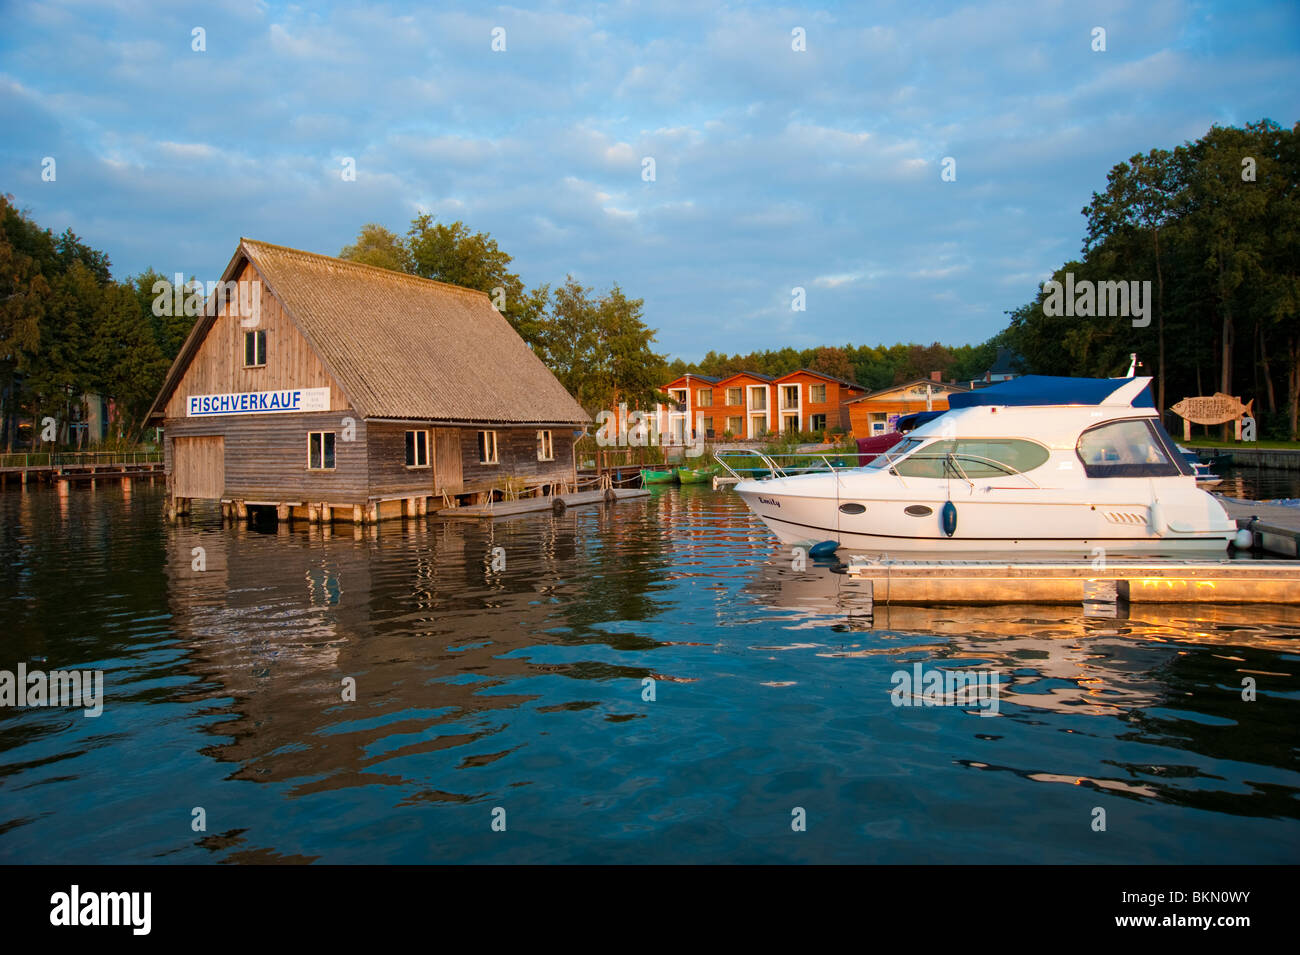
x,y
1079,582
68,466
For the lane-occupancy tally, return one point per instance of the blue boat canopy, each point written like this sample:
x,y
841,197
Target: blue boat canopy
x,y
1048,390
914,420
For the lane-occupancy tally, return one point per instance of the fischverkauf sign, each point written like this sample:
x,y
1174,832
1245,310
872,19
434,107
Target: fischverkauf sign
x,y
258,402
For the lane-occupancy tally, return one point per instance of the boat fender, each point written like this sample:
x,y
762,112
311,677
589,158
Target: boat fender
x,y
823,549
949,518
1243,539
1157,517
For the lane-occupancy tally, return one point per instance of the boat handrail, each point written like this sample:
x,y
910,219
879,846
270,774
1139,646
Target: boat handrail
x,y
772,467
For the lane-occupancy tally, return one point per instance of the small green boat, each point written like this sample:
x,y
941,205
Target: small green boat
x,y
650,476
696,475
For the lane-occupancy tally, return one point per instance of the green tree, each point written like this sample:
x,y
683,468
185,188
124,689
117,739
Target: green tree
x,y
378,246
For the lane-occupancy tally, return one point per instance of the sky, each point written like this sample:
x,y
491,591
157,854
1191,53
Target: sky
x,y
793,146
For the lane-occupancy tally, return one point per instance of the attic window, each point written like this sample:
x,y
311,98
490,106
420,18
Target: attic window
x,y
255,348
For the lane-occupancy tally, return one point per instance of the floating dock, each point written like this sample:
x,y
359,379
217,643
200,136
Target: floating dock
x,y
1079,582
1276,526
557,502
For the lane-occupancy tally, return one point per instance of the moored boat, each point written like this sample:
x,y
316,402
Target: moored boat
x,y
696,475
1032,464
652,476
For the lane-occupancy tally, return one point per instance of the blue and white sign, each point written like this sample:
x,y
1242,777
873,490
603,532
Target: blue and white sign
x,y
259,402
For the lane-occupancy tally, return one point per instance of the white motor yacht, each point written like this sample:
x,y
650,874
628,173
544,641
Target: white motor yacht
x,y
1032,464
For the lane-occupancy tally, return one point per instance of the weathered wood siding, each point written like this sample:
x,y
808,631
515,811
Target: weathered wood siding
x,y
266,455
198,468
446,461
388,471
218,368
517,457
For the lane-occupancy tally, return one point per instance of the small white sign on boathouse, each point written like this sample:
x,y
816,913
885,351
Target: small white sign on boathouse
x,y
258,402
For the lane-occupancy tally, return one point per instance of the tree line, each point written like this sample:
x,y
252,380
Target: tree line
x,y
67,329
872,366
1214,226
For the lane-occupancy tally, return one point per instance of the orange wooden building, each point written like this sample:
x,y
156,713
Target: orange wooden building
x,y
808,400
877,413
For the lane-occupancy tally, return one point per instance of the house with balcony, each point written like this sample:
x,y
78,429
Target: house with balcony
x,y
808,400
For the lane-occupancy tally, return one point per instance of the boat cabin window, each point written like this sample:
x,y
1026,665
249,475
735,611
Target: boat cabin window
x,y
973,458
1129,448
903,447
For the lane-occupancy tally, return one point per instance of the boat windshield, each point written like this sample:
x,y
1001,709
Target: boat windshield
x,y
903,448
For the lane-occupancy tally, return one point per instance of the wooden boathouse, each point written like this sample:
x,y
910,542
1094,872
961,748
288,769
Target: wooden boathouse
x,y
330,390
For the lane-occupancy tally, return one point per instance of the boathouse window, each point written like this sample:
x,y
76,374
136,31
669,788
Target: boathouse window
x,y
320,450
487,447
417,449
734,397
255,348
704,397
545,448
817,394
1129,448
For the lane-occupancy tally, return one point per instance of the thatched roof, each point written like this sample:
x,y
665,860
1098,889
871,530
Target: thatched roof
x,y
400,346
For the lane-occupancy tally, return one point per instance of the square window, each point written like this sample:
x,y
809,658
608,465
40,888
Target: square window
x,y
817,394
704,397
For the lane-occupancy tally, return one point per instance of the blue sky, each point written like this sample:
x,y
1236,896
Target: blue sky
x,y
774,168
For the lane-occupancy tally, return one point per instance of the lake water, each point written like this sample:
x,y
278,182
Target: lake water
x,y
517,692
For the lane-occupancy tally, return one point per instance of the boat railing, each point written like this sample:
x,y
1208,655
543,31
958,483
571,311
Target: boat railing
x,y
754,464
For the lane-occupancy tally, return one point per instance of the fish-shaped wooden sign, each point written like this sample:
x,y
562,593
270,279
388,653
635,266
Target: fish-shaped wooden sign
x,y
1215,409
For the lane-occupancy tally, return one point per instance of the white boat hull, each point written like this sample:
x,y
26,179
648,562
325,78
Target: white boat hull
x,y
996,520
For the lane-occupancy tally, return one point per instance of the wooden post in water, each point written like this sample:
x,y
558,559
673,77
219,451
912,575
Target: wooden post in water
x,y
283,513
